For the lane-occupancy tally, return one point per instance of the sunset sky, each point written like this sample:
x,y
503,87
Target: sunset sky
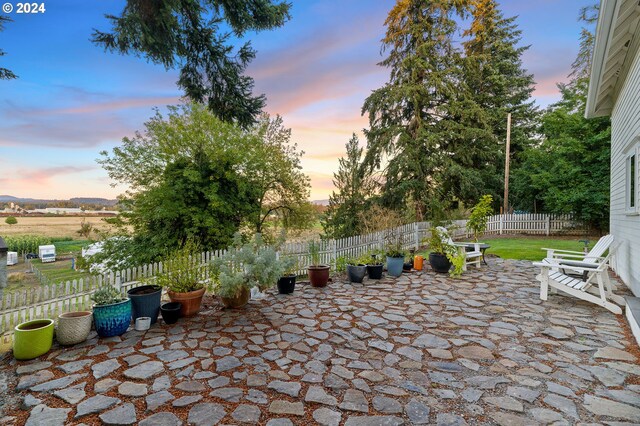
x,y
73,100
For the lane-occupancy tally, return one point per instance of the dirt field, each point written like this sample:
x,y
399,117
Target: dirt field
x,y
66,226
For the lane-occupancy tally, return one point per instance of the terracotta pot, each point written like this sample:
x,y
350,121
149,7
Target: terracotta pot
x,y
189,301
319,275
237,302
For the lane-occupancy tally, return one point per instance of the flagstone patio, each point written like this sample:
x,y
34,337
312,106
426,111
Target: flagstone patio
x,y
421,349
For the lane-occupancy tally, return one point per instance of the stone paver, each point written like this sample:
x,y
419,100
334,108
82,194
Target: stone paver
x,y
419,349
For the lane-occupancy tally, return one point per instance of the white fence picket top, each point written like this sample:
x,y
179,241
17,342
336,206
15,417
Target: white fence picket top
x,y
51,299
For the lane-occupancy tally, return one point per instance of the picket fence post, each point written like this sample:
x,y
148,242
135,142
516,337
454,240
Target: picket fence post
x,y
501,223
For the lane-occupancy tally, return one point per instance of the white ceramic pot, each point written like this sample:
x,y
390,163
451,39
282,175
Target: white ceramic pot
x,y
143,323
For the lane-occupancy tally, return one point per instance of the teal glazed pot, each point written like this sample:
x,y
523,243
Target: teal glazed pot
x,y
112,320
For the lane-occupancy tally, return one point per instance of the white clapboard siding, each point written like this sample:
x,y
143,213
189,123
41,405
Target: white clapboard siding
x,y
48,301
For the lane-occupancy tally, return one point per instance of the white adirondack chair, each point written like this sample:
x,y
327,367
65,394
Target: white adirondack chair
x,y
471,257
566,257
594,286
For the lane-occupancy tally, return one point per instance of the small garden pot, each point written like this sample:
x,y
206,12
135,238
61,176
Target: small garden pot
x,y
319,275
145,302
142,323
439,262
189,301
287,284
73,327
240,301
170,312
374,271
112,320
407,266
32,339
394,266
356,273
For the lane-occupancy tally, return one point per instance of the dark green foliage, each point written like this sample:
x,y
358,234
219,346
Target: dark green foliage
x,y
355,186
187,34
569,172
11,220
500,85
425,121
186,182
5,74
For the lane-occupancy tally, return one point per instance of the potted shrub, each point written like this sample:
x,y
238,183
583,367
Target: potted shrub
x,y
145,301
287,282
111,312
395,258
183,277
32,339
73,327
443,254
318,274
243,267
479,217
356,269
374,267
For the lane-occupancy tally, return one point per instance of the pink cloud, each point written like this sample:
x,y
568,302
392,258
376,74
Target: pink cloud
x,y
22,179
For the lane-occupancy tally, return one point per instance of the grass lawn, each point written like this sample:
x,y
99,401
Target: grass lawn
x,y
530,248
59,271
73,246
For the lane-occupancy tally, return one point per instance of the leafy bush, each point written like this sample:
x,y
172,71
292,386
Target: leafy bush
x,y
182,271
480,213
26,243
245,266
11,220
438,243
107,295
314,252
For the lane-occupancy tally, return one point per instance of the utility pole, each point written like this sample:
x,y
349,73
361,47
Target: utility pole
x,y
506,166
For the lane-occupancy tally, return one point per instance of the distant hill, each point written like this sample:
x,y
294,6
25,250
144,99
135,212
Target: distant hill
x,y
321,202
76,201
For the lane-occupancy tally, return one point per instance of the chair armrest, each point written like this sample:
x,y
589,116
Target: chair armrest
x,y
563,251
575,263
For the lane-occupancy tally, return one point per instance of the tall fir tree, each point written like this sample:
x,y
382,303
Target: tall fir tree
x,y
500,85
426,130
355,185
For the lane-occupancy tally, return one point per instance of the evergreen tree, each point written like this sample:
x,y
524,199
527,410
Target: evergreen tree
x,y
425,127
355,185
500,85
5,74
187,34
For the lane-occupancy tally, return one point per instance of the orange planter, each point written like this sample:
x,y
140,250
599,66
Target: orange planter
x,y
417,262
190,302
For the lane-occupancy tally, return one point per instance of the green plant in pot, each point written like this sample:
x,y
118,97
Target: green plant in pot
x,y
287,282
357,268
318,273
183,275
480,213
395,256
243,267
374,264
443,255
111,311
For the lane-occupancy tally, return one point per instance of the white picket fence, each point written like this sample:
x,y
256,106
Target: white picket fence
x,y
48,301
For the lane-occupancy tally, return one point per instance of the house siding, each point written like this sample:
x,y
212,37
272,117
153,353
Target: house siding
x,y
625,133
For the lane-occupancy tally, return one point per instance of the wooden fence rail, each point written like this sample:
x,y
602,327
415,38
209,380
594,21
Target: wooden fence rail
x,y
48,301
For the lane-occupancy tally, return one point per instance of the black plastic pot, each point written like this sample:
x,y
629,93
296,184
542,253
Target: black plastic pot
x,y
170,312
407,266
439,262
145,302
374,271
287,284
356,273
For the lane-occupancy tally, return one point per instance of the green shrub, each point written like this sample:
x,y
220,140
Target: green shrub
x,y
480,214
182,271
11,220
107,295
